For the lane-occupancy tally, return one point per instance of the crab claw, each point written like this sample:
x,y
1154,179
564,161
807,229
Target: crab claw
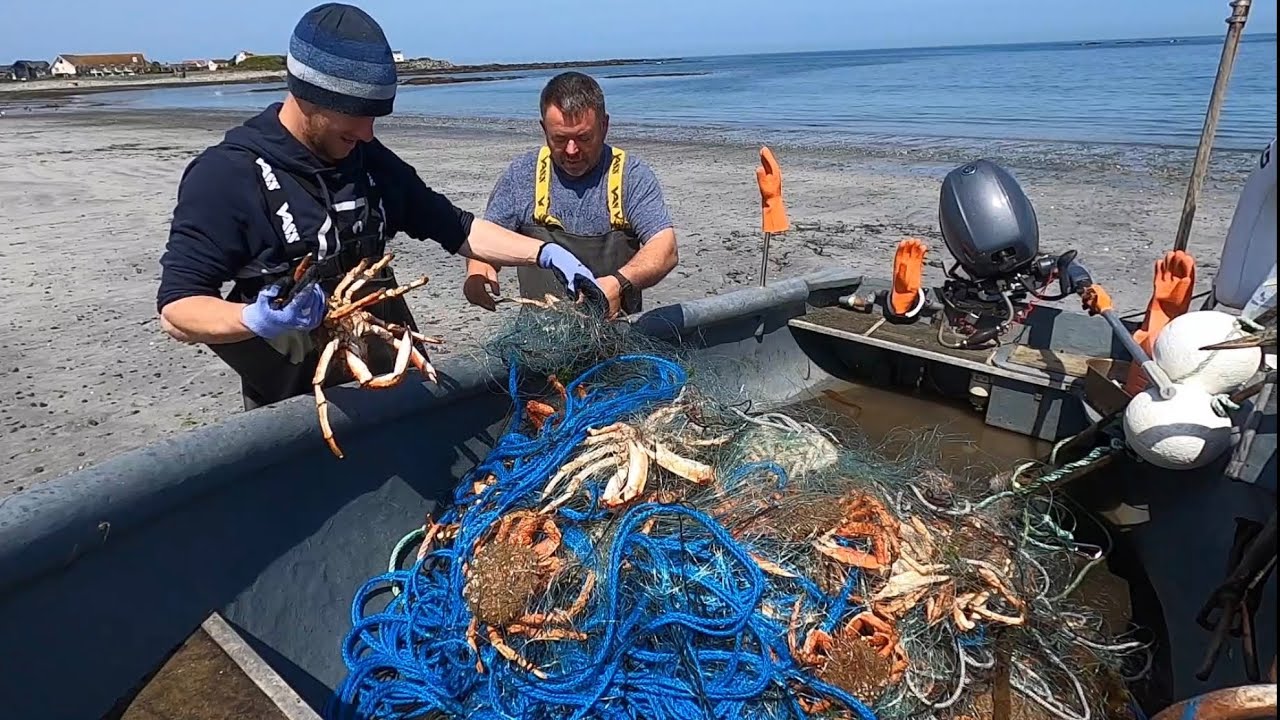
x,y
629,482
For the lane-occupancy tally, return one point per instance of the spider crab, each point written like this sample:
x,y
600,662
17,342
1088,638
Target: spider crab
x,y
907,552
865,518
862,657
345,331
504,575
917,577
539,412
625,451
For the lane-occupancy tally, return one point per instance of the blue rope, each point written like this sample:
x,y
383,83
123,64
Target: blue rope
x,y
676,624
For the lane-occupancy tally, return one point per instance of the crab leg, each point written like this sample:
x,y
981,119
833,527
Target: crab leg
x,y
357,367
580,478
377,297
572,466
630,480
301,270
397,373
366,276
416,357
848,556
510,654
350,277
606,433
690,470
402,329
423,364
322,403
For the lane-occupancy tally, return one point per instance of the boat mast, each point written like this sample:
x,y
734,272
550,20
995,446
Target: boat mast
x,y
1235,28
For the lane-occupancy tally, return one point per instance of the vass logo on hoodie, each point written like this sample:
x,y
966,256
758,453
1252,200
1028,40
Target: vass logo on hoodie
x,y
286,224
268,175
286,218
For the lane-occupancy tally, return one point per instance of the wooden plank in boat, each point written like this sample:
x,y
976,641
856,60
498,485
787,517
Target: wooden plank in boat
x,y
1065,363
922,335
918,340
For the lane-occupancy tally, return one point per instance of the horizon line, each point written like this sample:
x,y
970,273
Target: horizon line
x,y
1244,37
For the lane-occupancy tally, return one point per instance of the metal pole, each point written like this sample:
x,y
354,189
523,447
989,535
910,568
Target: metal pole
x,y
764,260
1235,27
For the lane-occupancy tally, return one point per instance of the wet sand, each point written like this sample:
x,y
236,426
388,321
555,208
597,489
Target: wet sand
x,y
86,197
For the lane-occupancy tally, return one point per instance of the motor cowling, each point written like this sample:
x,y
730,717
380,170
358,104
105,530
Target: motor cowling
x,y
987,221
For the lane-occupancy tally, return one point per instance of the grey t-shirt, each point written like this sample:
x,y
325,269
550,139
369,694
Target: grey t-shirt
x,y
580,204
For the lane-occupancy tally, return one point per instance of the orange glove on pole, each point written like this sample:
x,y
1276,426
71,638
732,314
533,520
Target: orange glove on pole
x,y
772,209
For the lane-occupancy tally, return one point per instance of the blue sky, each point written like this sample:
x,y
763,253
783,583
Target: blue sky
x,y
530,30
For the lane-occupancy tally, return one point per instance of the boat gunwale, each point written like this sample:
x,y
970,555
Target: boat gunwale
x,y
48,527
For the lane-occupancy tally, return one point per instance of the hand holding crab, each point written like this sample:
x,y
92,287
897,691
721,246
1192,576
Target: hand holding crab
x,y
344,334
303,313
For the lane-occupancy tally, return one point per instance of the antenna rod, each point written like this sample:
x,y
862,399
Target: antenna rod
x,y
1235,27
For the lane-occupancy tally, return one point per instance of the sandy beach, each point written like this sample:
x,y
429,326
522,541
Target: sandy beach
x,y
85,198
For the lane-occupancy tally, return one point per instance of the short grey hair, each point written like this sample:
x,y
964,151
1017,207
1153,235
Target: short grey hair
x,y
574,93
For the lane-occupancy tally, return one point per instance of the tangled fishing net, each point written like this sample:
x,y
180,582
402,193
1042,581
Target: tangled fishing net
x,y
638,546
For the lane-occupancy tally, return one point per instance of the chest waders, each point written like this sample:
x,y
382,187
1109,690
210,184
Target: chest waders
x,y
274,370
602,254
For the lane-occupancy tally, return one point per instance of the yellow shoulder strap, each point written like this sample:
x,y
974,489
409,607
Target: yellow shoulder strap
x,y
542,190
617,218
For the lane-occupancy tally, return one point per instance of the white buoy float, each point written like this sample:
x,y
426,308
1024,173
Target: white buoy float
x,y
1186,432
1178,353
1181,433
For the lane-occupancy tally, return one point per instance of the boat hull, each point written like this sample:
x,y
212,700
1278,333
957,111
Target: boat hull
x,y
105,571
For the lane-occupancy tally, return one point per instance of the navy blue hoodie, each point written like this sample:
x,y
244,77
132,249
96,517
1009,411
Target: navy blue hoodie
x,y
222,223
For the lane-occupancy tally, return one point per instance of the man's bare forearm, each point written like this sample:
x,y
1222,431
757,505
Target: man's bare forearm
x,y
204,319
498,246
655,260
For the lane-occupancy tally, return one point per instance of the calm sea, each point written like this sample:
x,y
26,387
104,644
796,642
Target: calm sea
x,y
1134,93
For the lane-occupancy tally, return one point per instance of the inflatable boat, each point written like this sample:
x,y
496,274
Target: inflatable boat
x,y
252,529
105,571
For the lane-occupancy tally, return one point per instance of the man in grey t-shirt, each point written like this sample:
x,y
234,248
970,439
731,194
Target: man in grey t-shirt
x,y
594,199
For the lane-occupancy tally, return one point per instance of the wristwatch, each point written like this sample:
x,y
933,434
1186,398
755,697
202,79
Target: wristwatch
x,y
629,293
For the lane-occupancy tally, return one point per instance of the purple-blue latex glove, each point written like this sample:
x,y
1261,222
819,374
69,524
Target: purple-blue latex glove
x,y
304,313
568,269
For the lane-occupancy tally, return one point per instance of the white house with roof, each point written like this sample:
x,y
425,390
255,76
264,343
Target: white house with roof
x,y
99,64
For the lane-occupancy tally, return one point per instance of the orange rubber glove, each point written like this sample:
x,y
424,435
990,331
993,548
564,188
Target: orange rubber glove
x,y
1172,285
769,178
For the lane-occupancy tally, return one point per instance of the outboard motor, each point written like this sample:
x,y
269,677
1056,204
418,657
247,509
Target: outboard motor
x,y
987,221
991,231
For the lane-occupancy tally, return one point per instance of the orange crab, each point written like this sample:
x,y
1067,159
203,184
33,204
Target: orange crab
x,y
839,660
506,573
866,518
539,411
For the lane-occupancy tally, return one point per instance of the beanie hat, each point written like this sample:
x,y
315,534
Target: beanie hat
x,y
339,59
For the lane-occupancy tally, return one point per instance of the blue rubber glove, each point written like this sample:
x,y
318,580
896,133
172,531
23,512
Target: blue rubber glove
x,y
304,313
568,269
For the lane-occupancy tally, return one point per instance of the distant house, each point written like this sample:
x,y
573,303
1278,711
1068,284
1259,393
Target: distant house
x,y
96,65
241,57
29,69
397,56
197,66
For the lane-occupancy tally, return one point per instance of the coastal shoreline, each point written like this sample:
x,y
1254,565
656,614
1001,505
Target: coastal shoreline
x,y
1137,162
73,87
87,196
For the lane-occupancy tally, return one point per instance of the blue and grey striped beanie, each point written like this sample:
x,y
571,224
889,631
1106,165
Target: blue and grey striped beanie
x,y
339,59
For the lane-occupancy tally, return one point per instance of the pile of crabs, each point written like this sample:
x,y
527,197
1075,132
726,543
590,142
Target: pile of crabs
x,y
881,581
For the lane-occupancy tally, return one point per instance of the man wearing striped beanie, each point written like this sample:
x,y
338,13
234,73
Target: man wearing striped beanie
x,y
306,178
